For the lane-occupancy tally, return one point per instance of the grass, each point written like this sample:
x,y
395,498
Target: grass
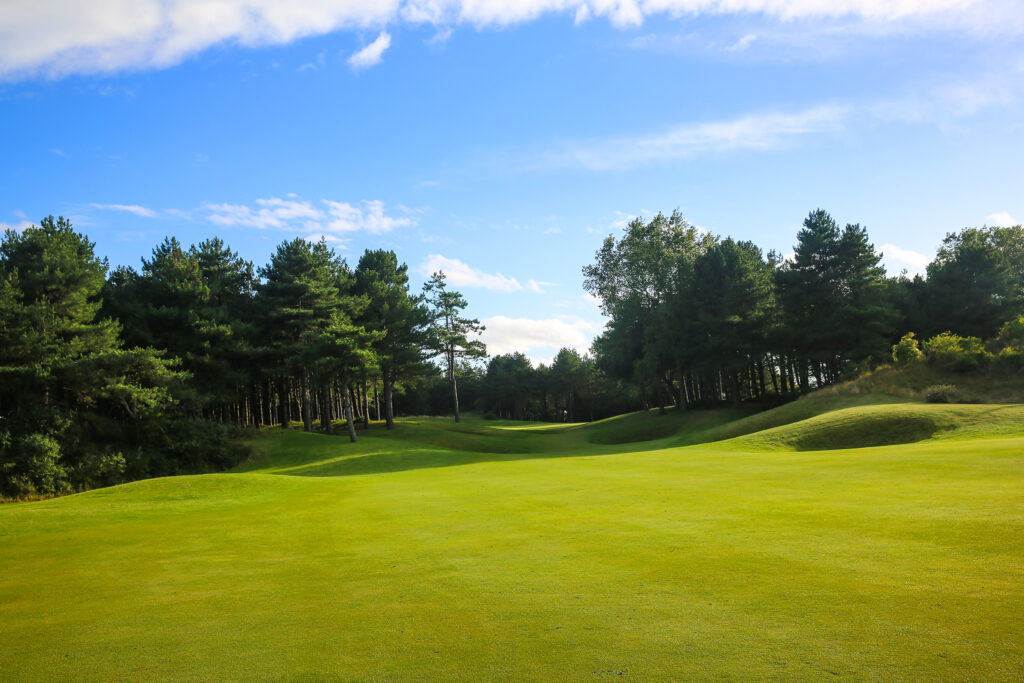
x,y
504,551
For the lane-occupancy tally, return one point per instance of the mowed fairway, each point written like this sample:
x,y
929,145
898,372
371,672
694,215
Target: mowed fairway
x,y
491,551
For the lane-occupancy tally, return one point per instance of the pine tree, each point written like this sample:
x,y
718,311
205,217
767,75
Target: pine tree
x,y
450,332
401,317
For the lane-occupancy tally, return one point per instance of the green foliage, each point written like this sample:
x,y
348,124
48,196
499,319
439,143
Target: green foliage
x,y
1011,335
953,352
976,281
31,464
907,350
402,319
643,283
833,296
942,393
77,409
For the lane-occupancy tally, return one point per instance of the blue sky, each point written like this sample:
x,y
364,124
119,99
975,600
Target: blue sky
x,y
500,141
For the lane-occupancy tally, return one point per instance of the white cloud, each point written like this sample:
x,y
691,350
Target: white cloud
x,y
461,274
321,60
1002,219
742,44
507,335
941,105
129,208
372,53
61,37
751,132
441,37
300,216
896,259
538,286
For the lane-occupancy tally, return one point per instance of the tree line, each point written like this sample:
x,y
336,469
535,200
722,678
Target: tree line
x,y
695,319
107,376
700,320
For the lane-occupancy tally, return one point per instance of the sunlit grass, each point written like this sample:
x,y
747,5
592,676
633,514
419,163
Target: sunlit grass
x,y
501,551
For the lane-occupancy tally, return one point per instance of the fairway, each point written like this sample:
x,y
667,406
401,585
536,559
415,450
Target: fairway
x,y
707,544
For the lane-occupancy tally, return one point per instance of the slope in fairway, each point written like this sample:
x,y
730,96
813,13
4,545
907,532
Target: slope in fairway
x,y
500,551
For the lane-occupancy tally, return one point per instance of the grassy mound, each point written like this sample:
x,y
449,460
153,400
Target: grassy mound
x,y
888,424
651,425
804,408
408,557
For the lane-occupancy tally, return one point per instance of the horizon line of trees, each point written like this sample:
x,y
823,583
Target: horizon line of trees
x,y
114,375
700,320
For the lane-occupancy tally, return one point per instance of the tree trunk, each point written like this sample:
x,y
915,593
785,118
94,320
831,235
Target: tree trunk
x,y
325,408
455,388
366,404
455,399
389,407
283,404
349,422
307,409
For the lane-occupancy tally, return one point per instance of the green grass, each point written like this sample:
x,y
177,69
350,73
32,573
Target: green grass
x,y
504,551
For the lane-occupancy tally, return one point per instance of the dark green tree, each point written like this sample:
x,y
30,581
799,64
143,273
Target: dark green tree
x,y
976,282
74,406
401,317
834,299
733,298
301,290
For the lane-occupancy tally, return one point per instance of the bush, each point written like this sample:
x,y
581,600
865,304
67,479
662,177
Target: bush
x,y
31,466
906,351
942,393
1011,336
1011,359
953,352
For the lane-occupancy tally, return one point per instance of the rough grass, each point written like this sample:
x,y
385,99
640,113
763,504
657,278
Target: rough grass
x,y
419,555
988,385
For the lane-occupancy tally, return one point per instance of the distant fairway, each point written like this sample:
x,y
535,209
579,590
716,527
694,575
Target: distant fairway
x,y
504,551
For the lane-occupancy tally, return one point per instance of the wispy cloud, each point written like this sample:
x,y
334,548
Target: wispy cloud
x,y
372,53
897,259
328,218
742,44
539,286
100,37
462,274
1001,219
943,105
321,60
751,132
129,208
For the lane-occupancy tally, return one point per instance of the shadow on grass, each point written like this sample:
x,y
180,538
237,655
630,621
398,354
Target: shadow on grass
x,y
409,459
